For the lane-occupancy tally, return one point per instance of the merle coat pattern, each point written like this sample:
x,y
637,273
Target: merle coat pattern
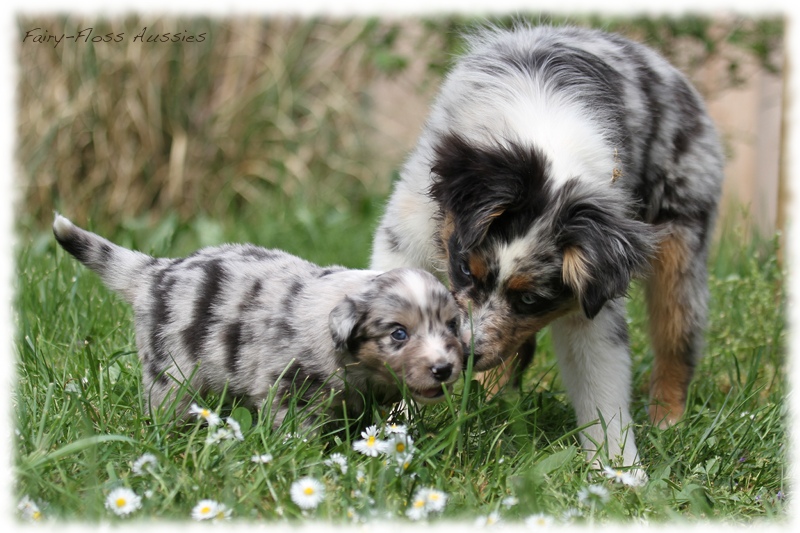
x,y
556,165
248,318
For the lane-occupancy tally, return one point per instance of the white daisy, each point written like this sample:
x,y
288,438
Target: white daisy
x,y
337,459
403,462
371,445
205,510
619,476
144,464
509,502
223,513
263,458
235,427
593,494
206,414
361,476
307,492
539,521
352,515
418,508
399,444
395,429
123,501
435,500
571,514
488,520
220,435
426,500
294,436
636,478
29,509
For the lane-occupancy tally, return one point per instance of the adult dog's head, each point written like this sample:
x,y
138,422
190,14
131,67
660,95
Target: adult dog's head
x,y
522,248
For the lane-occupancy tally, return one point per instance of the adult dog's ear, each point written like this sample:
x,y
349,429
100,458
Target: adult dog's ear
x,y
603,247
344,321
474,184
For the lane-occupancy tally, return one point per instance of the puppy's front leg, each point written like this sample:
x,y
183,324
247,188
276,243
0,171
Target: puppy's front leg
x,y
593,356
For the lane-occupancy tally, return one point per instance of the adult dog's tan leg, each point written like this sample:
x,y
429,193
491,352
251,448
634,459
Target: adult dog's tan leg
x,y
677,300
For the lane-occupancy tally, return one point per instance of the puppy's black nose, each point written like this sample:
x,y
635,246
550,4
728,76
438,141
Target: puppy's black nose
x,y
442,371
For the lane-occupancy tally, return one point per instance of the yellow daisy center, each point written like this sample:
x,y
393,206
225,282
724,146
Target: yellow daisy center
x,y
37,515
308,491
205,413
205,510
371,441
401,447
121,502
433,497
419,503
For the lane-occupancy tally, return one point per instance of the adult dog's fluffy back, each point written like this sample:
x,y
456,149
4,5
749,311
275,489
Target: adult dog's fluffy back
x,y
577,92
556,165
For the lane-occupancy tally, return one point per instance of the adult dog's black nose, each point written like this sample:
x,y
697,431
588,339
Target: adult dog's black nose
x,y
442,372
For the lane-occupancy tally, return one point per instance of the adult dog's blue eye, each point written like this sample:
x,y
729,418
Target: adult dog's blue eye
x,y
528,298
400,334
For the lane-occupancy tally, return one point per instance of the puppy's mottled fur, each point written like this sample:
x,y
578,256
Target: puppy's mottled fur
x,y
556,165
242,316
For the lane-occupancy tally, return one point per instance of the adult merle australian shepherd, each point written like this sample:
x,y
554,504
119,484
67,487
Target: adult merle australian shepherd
x,y
558,164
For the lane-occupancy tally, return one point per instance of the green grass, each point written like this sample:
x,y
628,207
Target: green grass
x,y
79,418
266,133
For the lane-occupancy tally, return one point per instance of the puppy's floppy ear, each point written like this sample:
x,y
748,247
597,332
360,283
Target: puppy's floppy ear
x,y
343,322
603,247
476,184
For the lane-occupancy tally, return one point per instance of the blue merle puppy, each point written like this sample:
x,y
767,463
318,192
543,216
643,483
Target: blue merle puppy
x,y
249,319
558,164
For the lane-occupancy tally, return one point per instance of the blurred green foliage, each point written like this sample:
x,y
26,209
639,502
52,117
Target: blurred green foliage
x,y
268,120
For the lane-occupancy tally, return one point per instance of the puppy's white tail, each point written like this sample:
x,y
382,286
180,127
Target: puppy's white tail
x,y
122,270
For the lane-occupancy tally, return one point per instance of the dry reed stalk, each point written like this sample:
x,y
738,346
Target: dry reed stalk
x,y
260,107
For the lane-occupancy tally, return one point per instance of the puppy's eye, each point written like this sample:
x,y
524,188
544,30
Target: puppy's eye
x,y
400,334
528,298
465,269
453,326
